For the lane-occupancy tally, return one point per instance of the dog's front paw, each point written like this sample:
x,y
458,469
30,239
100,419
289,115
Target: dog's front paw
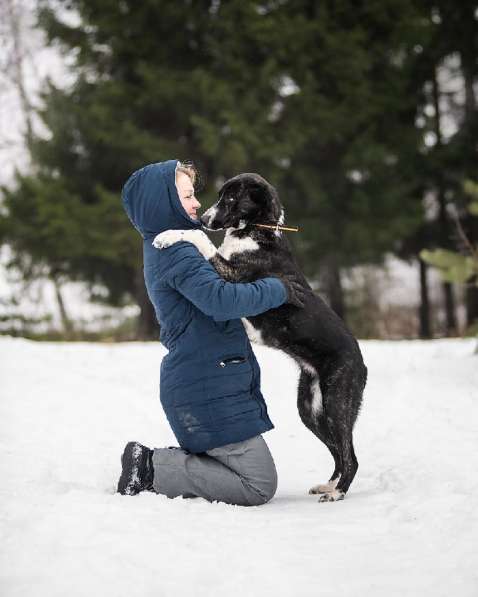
x,y
168,238
195,237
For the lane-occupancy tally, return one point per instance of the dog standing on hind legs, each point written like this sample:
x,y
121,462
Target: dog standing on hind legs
x,y
332,371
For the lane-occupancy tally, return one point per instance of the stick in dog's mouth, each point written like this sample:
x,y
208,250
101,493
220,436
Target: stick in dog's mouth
x,y
278,227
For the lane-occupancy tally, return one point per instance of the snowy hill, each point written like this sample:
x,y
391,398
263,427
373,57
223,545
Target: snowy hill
x,y
408,527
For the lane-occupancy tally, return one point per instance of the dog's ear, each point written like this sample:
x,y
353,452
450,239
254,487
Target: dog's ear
x,y
257,192
221,190
228,187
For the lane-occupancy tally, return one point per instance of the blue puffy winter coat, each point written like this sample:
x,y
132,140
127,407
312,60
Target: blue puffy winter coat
x,y
210,378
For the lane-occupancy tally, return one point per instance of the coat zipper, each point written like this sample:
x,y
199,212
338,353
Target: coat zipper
x,y
232,361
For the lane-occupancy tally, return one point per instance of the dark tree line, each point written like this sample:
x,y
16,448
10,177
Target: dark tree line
x,y
333,102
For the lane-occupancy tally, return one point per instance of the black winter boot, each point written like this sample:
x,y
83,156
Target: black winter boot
x,y
137,474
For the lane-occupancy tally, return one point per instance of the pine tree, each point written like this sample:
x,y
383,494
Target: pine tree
x,y
153,82
347,130
316,97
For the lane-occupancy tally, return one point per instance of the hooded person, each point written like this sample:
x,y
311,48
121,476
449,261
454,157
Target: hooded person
x,y
210,378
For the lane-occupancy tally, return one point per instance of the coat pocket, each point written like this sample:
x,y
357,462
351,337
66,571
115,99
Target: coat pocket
x,y
229,374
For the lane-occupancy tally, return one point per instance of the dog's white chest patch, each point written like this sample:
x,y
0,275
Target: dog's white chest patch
x,y
253,333
232,244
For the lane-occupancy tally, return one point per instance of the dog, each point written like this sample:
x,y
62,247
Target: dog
x,y
332,372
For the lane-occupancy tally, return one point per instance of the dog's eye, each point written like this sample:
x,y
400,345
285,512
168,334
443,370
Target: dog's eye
x,y
230,199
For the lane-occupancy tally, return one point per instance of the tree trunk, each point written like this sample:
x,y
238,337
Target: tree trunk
x,y
471,296
451,325
65,320
148,327
333,286
425,330
471,305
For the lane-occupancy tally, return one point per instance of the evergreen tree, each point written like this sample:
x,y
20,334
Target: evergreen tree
x,y
314,96
152,84
445,159
347,128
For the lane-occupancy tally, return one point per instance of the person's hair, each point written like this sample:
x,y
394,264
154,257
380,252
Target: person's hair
x,y
189,169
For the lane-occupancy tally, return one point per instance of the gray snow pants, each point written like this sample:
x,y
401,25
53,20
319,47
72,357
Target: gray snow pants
x,y
242,473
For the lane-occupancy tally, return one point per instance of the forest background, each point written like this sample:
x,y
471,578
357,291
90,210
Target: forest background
x,y
362,114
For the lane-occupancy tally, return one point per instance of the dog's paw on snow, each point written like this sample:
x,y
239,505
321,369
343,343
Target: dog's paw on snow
x,y
332,496
325,487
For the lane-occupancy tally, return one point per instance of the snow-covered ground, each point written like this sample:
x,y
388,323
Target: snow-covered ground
x,y
407,527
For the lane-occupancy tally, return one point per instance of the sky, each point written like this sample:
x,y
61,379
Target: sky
x,y
40,61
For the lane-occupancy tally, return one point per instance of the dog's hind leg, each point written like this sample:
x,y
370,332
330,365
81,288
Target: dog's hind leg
x,y
337,490
341,403
309,403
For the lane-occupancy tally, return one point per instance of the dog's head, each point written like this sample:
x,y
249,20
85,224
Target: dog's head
x,y
245,199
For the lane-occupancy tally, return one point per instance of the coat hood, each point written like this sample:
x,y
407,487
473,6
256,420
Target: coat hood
x,y
151,200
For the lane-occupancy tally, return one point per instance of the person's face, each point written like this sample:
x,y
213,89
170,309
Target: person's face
x,y
185,189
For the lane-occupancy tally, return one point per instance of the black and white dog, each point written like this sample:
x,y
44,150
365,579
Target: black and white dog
x,y
332,371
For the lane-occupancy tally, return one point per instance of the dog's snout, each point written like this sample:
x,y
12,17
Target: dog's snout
x,y
207,219
204,219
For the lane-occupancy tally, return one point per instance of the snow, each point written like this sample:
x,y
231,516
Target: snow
x,y
407,527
